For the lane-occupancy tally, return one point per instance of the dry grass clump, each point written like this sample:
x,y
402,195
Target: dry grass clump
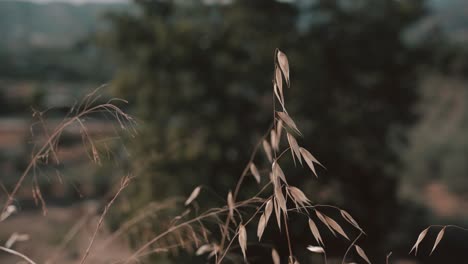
x,y
45,153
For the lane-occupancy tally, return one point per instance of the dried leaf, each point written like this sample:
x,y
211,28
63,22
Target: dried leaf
x,y
267,149
309,159
316,249
193,195
268,210
362,253
261,227
289,122
324,221
275,256
243,240
336,227
315,232
284,65
294,147
230,202
254,171
418,241
350,219
438,239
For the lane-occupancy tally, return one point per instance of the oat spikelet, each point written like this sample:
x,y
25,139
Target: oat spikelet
x,y
277,213
350,219
324,221
281,201
204,249
279,85
279,130
294,147
289,122
254,171
298,196
361,253
193,195
284,65
275,256
418,241
273,139
267,149
336,226
315,232
309,159
278,172
261,227
268,210
316,249
243,240
230,202
438,239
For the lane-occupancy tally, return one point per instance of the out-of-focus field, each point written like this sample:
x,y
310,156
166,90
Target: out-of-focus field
x,y
62,236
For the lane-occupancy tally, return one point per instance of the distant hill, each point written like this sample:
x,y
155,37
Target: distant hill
x,y
26,24
53,41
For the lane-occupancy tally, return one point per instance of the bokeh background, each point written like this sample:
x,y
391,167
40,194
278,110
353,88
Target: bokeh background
x,y
378,88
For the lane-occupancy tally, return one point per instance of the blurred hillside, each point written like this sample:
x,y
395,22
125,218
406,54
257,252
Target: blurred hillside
x,y
33,43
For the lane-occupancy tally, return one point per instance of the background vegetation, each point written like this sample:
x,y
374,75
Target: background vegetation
x,y
377,86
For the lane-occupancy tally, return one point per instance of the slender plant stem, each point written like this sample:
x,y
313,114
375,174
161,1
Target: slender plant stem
x,y
16,253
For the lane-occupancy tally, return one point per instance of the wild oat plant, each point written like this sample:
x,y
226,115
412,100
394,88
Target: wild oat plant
x,y
281,200
275,201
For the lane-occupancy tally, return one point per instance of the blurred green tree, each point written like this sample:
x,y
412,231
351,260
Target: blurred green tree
x,y
200,77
